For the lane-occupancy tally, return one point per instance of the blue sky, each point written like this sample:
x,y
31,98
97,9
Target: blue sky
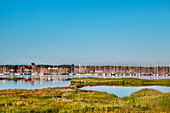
x,y
93,32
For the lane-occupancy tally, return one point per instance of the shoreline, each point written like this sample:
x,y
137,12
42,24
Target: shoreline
x,y
73,99
90,81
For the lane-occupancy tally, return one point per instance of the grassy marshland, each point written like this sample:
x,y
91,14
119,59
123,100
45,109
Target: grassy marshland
x,y
90,81
72,100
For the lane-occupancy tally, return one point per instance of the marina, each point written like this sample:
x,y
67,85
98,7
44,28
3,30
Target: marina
x,y
69,77
105,70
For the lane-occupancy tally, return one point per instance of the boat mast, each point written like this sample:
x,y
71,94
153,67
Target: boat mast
x,y
169,69
114,66
157,70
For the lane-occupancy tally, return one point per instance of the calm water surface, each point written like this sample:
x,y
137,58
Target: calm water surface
x,y
39,84
71,76
36,84
140,77
36,76
122,91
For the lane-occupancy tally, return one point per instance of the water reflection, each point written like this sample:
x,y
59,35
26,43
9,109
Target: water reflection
x,y
140,77
38,82
71,76
121,91
32,84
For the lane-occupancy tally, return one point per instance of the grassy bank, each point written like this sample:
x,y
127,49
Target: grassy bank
x,y
72,100
90,81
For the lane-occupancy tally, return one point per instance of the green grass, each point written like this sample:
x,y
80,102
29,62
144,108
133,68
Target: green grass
x,y
90,81
72,100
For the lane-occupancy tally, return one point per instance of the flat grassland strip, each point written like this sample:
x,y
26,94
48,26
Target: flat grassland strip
x,y
90,81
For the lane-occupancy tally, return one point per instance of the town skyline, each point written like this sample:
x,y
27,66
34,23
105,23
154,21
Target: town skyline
x,y
108,70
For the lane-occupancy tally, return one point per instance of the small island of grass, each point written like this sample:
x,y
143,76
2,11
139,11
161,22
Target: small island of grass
x,y
90,81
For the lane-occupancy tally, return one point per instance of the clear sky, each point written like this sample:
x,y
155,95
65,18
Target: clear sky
x,y
93,32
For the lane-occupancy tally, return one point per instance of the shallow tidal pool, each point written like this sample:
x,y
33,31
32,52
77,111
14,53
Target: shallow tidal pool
x,y
122,91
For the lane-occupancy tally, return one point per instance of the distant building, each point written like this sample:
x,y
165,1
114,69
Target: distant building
x,y
32,65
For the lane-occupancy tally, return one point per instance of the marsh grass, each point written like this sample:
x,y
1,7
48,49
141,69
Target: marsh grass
x,y
72,100
90,81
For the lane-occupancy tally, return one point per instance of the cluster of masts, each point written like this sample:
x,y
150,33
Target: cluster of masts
x,y
137,74
85,70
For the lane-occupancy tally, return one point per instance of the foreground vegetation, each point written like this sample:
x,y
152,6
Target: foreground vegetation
x,y
72,100
90,81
